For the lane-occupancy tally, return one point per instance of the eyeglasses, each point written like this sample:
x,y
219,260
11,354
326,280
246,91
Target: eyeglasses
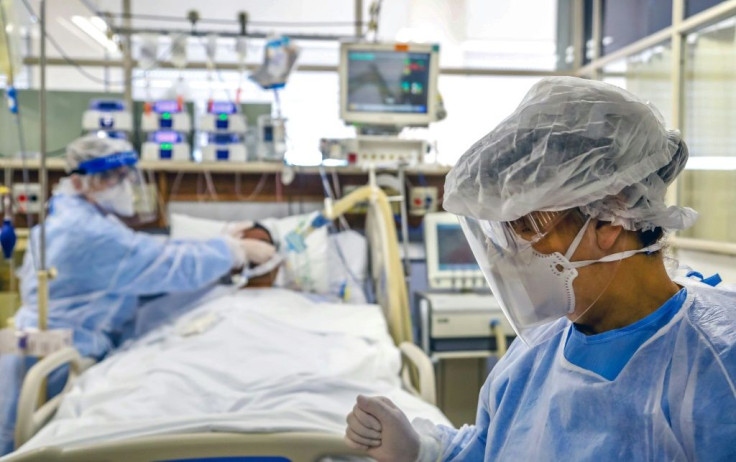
x,y
534,226
512,236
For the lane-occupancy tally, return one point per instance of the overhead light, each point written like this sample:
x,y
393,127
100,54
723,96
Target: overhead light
x,y
95,33
99,23
71,28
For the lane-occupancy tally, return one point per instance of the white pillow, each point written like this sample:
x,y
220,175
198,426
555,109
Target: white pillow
x,y
308,271
187,227
348,249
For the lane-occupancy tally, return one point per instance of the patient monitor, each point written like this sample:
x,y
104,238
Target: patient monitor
x,y
450,262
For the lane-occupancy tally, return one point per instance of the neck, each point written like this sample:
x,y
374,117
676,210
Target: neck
x,y
639,287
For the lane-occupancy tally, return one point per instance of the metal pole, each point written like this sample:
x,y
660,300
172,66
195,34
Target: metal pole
x,y
679,50
127,56
42,108
597,36
404,219
42,271
578,40
358,18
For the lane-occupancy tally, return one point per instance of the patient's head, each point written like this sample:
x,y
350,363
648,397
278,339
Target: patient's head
x,y
262,234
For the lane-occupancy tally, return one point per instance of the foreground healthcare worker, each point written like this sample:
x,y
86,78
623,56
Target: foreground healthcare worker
x,y
104,266
564,207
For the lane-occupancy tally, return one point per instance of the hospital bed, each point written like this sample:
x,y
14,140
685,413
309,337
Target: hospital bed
x,y
416,376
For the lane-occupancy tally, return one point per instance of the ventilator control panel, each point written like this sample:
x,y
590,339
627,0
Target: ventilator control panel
x,y
373,150
460,322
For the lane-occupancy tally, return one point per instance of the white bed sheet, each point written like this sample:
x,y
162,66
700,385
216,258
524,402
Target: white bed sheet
x,y
265,360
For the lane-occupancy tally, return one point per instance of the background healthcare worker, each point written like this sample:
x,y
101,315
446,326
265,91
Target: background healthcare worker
x,y
104,266
563,206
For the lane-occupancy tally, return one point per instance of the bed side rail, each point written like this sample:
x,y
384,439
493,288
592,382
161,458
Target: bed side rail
x,y
31,417
416,362
292,446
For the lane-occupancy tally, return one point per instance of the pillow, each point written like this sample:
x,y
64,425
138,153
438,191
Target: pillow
x,y
186,227
334,264
348,265
307,271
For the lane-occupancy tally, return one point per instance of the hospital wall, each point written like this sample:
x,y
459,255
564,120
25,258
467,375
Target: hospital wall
x,y
706,115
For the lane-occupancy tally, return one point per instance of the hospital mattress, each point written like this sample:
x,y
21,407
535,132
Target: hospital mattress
x,y
253,361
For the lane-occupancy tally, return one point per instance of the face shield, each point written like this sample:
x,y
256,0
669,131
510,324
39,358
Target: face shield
x,y
115,185
533,288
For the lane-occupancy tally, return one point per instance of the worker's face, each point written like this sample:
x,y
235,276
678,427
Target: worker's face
x,y
267,279
598,241
101,181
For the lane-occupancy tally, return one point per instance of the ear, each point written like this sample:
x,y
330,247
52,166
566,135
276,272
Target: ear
x,y
607,234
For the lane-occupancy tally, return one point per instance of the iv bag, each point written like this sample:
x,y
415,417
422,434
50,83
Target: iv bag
x,y
149,51
179,51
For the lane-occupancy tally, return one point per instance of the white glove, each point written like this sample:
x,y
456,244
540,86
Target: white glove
x,y
246,251
236,228
383,431
258,252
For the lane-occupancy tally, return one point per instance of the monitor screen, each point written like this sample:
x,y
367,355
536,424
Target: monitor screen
x,y
163,106
387,81
104,105
453,251
165,137
223,107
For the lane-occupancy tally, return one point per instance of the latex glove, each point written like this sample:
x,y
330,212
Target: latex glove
x,y
237,228
258,252
247,251
382,430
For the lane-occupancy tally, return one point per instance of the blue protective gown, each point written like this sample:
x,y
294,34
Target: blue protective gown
x,y
674,400
103,267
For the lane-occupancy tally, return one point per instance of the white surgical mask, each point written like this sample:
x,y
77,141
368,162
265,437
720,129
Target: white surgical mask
x,y
117,199
549,279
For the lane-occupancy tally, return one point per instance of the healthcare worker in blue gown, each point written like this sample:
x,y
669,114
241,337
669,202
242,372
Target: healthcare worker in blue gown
x,y
563,205
104,266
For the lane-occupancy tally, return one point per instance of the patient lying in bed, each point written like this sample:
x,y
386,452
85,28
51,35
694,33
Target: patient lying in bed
x,y
258,360
263,234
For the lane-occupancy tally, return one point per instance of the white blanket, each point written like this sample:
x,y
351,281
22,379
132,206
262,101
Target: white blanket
x,y
255,361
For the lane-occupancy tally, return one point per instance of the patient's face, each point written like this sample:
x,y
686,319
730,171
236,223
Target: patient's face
x,y
267,279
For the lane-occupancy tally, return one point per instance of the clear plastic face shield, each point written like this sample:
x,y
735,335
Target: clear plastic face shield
x,y
505,254
532,288
116,186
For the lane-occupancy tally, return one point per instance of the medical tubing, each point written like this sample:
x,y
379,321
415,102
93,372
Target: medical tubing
x,y
400,329
329,194
259,186
212,66
345,265
175,185
210,184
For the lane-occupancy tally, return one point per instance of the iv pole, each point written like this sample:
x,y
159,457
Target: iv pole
x,y
43,273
